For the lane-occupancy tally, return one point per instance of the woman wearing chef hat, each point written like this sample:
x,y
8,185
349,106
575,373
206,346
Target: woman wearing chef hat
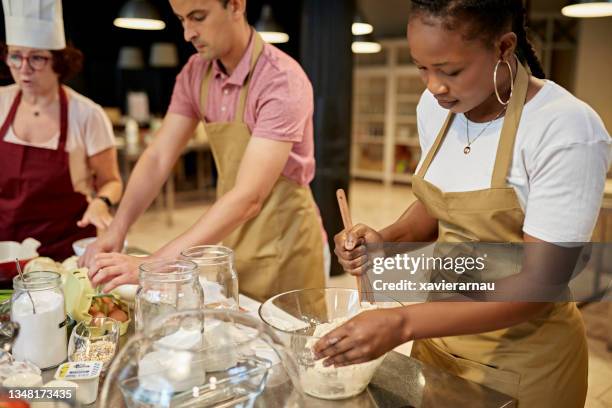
x,y
56,146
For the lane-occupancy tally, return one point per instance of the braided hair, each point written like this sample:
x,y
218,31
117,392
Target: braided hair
x,y
488,19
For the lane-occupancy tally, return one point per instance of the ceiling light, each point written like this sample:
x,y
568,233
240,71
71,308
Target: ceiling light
x,y
139,15
269,29
588,8
364,44
360,26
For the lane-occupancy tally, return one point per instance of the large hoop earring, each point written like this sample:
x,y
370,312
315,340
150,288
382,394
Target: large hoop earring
x,y
495,82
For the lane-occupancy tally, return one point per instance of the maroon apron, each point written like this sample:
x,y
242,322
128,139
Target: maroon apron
x,y
37,198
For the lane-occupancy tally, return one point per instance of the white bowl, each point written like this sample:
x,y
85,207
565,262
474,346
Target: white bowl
x,y
80,246
126,292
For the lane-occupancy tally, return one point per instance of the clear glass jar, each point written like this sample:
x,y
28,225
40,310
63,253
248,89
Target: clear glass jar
x,y
37,305
217,273
165,287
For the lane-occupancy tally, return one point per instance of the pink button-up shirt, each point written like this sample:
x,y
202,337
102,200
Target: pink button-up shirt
x,y
279,103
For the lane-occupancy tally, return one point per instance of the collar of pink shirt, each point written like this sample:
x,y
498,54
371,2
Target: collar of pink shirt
x,y
239,75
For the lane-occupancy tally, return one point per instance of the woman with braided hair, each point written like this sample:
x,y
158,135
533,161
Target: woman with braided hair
x,y
508,157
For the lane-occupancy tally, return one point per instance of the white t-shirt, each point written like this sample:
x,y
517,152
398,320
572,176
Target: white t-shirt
x,y
561,156
89,132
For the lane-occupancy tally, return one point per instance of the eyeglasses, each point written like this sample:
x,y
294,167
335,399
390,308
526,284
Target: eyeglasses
x,y
36,62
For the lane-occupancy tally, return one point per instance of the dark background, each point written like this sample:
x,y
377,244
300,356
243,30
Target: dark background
x,y
89,27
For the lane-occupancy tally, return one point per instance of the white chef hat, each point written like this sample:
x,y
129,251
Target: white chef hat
x,y
34,24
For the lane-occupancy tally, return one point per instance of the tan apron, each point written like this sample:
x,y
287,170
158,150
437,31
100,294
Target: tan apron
x,y
280,249
542,362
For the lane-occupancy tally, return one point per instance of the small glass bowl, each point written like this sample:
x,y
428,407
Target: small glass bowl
x,y
96,340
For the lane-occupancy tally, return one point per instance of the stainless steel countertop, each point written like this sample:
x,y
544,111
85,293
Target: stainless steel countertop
x,y
400,382
403,382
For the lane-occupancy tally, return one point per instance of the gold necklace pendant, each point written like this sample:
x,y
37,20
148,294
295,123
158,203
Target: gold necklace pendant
x,y
467,149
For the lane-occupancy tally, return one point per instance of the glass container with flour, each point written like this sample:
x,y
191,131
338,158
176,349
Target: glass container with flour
x,y
217,274
38,306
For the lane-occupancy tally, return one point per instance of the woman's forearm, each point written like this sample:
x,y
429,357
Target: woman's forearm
x,y
441,319
415,225
111,189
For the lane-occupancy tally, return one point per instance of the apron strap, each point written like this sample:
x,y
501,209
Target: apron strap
x,y
11,115
61,146
434,148
505,149
204,90
257,50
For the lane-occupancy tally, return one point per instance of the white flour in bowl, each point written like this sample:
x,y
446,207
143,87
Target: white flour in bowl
x,y
331,382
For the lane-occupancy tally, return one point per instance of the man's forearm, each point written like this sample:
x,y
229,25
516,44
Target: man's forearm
x,y
227,213
144,184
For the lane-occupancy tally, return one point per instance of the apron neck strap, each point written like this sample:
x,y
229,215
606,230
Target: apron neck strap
x,y
434,149
241,107
11,115
257,50
505,149
63,117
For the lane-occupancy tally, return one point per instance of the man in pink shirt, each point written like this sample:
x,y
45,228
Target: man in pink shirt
x,y
257,104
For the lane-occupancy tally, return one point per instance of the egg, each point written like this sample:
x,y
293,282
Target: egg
x,y
118,315
98,314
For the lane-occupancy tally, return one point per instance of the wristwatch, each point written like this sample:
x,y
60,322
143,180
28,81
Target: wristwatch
x,y
106,201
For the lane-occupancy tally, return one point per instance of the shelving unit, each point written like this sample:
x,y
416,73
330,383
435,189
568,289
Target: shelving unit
x,y
387,89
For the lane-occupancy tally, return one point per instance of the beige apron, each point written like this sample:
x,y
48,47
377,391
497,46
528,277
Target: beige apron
x,y
280,249
542,362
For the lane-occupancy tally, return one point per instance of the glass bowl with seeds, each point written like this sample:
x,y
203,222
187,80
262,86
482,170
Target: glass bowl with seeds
x,y
96,340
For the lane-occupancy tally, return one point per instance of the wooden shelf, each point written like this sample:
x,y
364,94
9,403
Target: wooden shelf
x,y
406,119
405,97
369,117
402,178
369,140
398,88
368,174
408,142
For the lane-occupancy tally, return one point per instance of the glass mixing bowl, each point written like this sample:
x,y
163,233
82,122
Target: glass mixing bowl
x,y
302,317
199,358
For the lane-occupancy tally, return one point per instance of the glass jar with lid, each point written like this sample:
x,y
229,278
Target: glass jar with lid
x,y
164,287
217,274
37,305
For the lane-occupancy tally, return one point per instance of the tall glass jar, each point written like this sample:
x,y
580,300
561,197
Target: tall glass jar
x,y
37,305
165,287
217,274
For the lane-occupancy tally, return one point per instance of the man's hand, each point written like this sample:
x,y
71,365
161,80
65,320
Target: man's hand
x,y
115,269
